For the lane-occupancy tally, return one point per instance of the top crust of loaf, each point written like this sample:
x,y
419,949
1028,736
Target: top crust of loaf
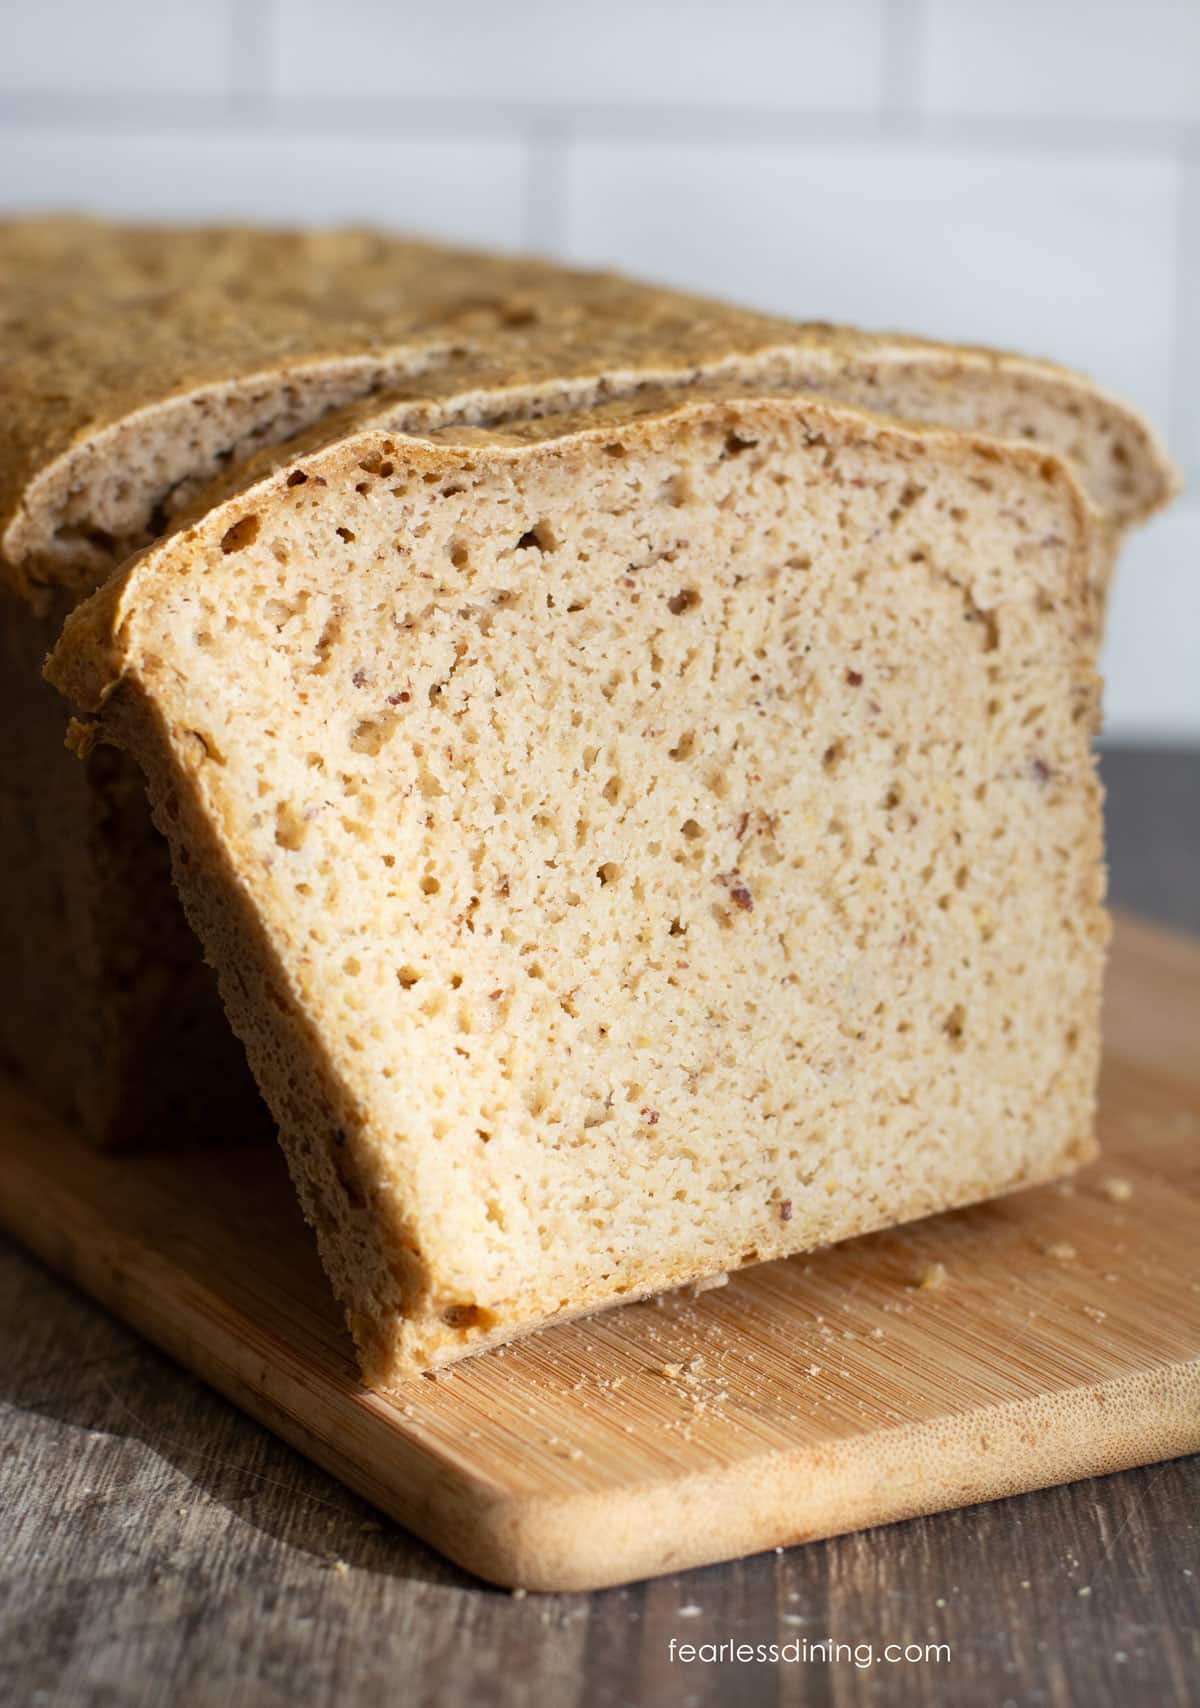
x,y
143,362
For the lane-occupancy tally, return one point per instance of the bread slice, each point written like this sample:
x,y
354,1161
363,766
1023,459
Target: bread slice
x,y
631,844
148,368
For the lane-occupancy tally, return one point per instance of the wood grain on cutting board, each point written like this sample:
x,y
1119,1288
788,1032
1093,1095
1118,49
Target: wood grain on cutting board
x,y
805,1398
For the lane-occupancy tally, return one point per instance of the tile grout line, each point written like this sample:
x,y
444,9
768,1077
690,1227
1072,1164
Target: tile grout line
x,y
262,110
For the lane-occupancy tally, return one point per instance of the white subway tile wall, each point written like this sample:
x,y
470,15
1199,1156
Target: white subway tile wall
x,y
1186,438
461,188
1061,255
117,47
781,54
1022,172
1097,59
1152,671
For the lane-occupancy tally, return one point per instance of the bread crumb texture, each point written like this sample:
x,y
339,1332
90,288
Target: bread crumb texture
x,y
632,848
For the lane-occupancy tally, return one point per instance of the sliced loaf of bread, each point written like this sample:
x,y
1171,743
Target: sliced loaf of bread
x,y
632,843
148,368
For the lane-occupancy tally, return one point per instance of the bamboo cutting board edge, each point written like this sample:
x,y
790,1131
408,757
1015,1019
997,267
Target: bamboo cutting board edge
x,y
277,1352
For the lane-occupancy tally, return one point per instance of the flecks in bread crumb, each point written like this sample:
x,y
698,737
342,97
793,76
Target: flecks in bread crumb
x,y
725,777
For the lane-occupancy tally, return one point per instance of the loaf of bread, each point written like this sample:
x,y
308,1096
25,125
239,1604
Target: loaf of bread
x,y
150,371
632,842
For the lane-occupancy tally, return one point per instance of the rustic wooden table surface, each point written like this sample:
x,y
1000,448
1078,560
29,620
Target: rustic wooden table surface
x,y
157,1547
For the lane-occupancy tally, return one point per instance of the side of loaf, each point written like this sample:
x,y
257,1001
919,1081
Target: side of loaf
x,y
110,1014
631,844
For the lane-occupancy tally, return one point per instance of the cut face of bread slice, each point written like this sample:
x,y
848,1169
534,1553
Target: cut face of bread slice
x,y
630,847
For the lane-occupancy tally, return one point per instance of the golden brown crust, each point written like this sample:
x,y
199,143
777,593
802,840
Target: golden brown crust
x,y
104,322
121,338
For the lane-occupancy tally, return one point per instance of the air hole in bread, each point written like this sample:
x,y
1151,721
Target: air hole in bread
x,y
243,533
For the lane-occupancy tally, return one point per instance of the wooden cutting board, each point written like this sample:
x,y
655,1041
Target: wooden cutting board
x,y
805,1398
